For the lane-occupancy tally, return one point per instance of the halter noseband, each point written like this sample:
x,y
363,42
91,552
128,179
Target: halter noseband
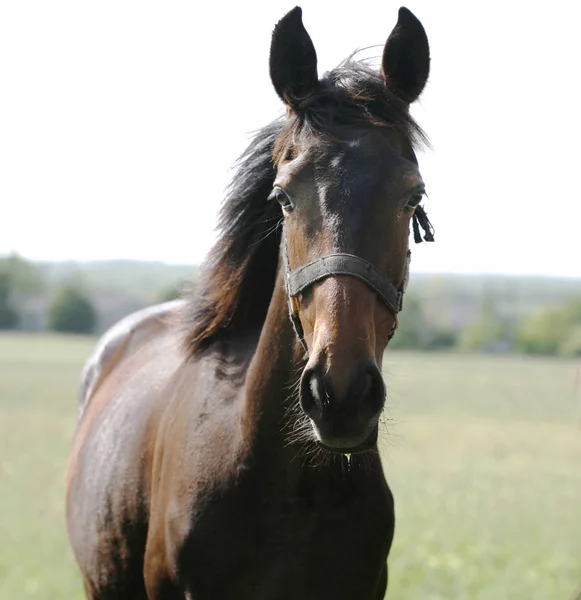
x,y
300,279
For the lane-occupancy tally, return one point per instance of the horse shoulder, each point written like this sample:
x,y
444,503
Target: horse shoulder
x,y
118,342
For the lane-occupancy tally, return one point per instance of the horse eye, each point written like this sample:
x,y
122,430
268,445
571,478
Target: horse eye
x,y
415,199
282,198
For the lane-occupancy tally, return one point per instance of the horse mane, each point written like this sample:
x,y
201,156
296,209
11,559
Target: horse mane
x,y
234,291
237,279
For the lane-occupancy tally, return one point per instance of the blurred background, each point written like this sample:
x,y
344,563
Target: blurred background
x,y
119,122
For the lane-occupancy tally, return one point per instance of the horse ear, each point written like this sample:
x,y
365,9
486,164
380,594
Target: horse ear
x,y
406,57
293,60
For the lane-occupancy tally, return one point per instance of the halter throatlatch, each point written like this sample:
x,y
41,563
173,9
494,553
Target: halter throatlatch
x,y
300,279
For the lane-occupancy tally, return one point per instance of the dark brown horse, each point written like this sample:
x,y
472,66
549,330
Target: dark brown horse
x,y
227,443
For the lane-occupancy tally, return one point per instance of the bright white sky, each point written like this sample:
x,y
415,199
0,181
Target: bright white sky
x,y
120,119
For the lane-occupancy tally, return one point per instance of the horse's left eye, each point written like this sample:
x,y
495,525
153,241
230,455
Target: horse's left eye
x,y
415,199
282,198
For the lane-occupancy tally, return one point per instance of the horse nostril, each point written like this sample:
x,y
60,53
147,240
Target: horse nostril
x,y
312,394
373,394
363,398
368,384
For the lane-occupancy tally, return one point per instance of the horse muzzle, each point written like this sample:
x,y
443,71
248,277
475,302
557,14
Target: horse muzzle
x,y
344,411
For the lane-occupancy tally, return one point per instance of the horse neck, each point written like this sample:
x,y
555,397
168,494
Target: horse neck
x,y
271,374
266,417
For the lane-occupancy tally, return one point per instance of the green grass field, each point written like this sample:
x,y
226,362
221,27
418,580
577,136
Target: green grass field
x,y
483,456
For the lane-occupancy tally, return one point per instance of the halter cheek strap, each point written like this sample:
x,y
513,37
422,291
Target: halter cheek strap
x,y
347,264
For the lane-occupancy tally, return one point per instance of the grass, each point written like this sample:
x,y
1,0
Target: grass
x,y
485,466
483,456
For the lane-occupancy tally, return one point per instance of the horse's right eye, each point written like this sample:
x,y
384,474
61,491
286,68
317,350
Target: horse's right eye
x,y
282,198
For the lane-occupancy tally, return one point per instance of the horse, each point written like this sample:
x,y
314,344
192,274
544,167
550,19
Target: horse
x,y
227,442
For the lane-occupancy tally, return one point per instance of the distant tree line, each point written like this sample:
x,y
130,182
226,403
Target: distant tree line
x,y
73,303
546,331
552,330
69,306
70,309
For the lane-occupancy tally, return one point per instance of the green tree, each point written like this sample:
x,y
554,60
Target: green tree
x,y
487,330
480,335
441,339
414,331
571,345
19,279
72,311
546,330
25,278
9,317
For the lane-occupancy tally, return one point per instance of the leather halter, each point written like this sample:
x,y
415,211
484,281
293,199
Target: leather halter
x,y
300,279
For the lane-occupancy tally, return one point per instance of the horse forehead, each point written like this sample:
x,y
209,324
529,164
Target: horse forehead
x,y
355,166
340,158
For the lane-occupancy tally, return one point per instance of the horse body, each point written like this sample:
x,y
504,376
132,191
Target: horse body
x,y
227,451
205,510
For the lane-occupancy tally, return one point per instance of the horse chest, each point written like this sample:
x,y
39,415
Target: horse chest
x,y
307,546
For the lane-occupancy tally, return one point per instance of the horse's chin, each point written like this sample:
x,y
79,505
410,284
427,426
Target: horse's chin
x,y
368,444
